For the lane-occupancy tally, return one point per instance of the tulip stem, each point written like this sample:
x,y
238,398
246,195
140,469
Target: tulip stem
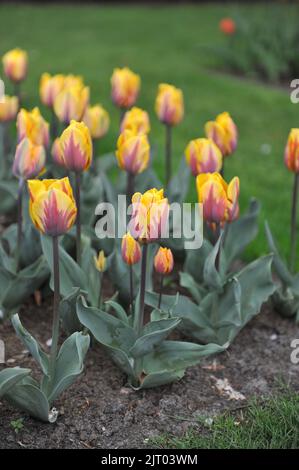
x,y
294,222
160,291
53,127
142,289
55,324
168,151
17,92
19,223
101,290
130,185
78,220
121,116
222,168
131,288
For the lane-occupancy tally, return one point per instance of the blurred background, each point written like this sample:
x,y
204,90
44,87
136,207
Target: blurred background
x,y
225,56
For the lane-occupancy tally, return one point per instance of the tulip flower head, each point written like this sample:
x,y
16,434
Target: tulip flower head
x,y
97,120
203,156
130,249
76,147
227,26
31,124
71,103
50,87
169,104
223,131
163,261
219,199
29,160
100,262
150,215
137,120
15,63
8,108
125,86
133,152
291,153
52,206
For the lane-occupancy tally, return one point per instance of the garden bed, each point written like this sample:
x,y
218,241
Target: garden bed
x,y
100,411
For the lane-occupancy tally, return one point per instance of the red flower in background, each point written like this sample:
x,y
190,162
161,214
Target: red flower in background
x,y
227,26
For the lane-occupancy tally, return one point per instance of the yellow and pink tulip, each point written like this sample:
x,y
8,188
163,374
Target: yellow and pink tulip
x,y
137,120
203,156
125,86
76,147
169,104
8,108
130,250
49,88
15,64
97,120
31,124
29,160
163,261
133,152
223,131
71,103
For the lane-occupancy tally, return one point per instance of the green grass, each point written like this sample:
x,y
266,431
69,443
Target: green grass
x,y
272,424
166,44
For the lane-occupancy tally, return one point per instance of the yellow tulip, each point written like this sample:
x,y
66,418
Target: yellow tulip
x,y
97,120
50,87
203,156
223,131
15,63
71,103
52,206
100,262
29,160
150,215
219,199
125,87
9,108
76,147
31,124
137,120
169,104
291,152
133,152
130,249
163,261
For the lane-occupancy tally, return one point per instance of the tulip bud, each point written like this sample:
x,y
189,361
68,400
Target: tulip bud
x,y
291,153
133,152
97,120
9,108
29,160
227,26
137,120
130,249
52,206
56,152
219,199
163,261
169,104
76,147
203,156
31,124
50,87
15,64
125,87
71,103
100,262
150,215
223,131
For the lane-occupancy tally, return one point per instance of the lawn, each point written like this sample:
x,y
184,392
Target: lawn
x,y
166,44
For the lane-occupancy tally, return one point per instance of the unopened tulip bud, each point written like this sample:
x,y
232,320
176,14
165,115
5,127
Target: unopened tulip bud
x,y
15,64
203,156
76,147
50,87
137,120
291,152
125,87
29,160
163,261
71,103
97,120
169,104
100,262
31,124
133,152
223,131
8,108
130,249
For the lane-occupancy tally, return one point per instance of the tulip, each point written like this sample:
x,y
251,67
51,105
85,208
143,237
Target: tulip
x,y
163,263
97,120
53,212
29,160
150,215
130,250
223,131
50,87
100,262
125,86
15,64
203,156
227,26
219,199
57,153
31,124
76,153
8,108
137,120
291,159
170,110
71,103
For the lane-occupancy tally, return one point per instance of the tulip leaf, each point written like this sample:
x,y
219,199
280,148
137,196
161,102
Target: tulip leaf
x,y
279,265
188,282
10,377
67,310
119,310
92,275
195,261
211,275
31,344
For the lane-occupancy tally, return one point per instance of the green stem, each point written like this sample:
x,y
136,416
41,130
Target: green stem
x,y
78,220
101,290
19,223
131,289
17,92
121,116
142,289
55,324
222,168
130,186
160,291
54,125
294,222
168,153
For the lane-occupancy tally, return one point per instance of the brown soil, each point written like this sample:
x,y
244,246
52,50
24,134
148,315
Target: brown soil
x,y
100,411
